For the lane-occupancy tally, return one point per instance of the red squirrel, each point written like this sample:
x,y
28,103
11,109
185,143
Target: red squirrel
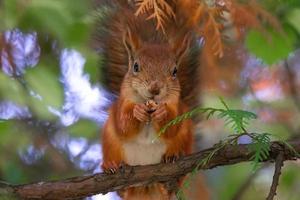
x,y
155,74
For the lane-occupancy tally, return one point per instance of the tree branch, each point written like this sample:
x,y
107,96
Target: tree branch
x,y
277,173
78,187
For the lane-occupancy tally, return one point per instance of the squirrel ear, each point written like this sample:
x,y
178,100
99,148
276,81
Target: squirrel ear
x,y
131,43
180,46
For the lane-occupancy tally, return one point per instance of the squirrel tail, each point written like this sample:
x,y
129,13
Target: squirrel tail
x,y
197,191
117,16
151,192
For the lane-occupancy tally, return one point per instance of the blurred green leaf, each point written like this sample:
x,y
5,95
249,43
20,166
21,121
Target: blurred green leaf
x,y
6,129
84,128
13,172
48,91
8,132
77,33
234,174
8,197
46,15
11,90
10,14
93,61
290,176
271,47
293,18
68,21
11,140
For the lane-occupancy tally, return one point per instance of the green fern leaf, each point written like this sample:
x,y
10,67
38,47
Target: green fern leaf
x,y
236,119
261,146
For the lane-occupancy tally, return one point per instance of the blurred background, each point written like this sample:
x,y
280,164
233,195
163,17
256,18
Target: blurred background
x,y
52,104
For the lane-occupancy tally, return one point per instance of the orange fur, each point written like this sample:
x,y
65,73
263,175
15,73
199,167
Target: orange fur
x,y
122,126
148,72
152,192
179,138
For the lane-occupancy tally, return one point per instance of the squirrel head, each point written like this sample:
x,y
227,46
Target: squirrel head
x,y
153,68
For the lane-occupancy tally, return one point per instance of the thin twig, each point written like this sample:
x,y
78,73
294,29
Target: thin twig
x,y
277,173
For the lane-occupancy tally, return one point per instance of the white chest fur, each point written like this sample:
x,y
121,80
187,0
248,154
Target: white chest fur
x,y
143,149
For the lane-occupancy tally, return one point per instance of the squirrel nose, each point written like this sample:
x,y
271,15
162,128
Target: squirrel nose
x,y
154,88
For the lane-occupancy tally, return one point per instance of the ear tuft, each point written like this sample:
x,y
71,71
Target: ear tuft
x,y
131,42
181,45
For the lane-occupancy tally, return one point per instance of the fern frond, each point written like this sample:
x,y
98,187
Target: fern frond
x,y
261,145
212,32
160,16
236,119
166,7
157,9
200,10
143,6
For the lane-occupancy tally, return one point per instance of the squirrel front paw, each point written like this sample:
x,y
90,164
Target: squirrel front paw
x,y
171,158
140,112
111,167
161,113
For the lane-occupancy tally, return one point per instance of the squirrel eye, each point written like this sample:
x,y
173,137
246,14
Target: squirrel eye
x,y
174,72
136,67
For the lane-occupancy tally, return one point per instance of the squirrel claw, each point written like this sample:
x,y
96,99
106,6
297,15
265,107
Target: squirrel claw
x,y
110,171
112,167
170,158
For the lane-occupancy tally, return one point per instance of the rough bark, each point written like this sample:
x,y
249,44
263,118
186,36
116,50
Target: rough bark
x,y
78,187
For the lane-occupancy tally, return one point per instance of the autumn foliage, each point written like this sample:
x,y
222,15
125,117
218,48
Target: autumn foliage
x,y
221,26
209,19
